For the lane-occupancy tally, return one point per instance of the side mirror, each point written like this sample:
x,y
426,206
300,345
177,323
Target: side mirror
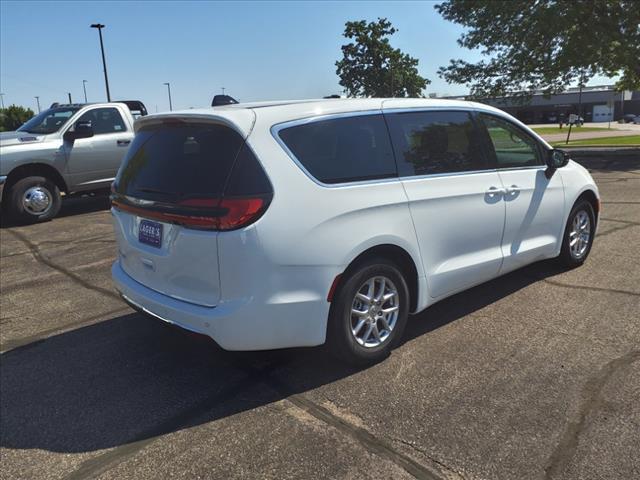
x,y
80,130
555,159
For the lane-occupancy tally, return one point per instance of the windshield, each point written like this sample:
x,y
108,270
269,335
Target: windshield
x,y
48,121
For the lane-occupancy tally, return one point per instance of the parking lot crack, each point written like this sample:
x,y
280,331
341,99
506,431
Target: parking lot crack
x,y
104,462
366,439
592,399
424,453
41,258
587,287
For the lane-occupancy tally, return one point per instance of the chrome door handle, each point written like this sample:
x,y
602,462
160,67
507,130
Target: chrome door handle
x,y
512,189
495,191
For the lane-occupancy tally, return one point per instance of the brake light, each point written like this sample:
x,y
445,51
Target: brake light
x,y
203,213
241,212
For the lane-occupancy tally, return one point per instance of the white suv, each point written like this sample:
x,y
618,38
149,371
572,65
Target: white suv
x,y
287,224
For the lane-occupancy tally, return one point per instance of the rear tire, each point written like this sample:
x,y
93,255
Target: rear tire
x,y
369,312
578,235
33,200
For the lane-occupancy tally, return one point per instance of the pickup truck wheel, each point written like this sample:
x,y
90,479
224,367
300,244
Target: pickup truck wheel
x,y
34,199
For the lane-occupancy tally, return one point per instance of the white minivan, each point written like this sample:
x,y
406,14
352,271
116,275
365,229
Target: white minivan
x,y
289,224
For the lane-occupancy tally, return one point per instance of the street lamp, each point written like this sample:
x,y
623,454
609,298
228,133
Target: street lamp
x,y
84,87
100,26
222,90
169,90
2,100
38,101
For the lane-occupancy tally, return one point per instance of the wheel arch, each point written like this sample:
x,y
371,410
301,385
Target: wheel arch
x,y
591,197
398,255
35,170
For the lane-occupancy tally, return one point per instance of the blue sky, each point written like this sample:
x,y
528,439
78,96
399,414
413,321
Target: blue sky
x,y
257,50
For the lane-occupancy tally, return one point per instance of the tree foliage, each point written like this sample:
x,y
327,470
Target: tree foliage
x,y
13,116
545,44
371,67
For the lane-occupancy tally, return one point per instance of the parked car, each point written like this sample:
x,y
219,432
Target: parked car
x,y
65,149
290,224
628,118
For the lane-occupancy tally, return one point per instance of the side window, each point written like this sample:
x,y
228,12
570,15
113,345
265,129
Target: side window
x,y
104,120
511,146
343,149
435,142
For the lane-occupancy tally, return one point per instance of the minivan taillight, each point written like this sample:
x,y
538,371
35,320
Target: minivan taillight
x,y
222,214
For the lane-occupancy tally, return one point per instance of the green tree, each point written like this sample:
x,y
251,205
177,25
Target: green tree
x,y
370,67
13,116
544,45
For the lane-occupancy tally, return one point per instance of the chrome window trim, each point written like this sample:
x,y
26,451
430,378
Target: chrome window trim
x,y
276,128
409,178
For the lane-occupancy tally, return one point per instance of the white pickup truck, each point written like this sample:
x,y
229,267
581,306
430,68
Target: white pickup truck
x,y
65,149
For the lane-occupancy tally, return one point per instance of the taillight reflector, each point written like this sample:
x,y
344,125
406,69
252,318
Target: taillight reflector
x,y
234,212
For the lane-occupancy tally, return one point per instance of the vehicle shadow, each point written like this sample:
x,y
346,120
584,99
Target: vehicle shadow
x,y
132,378
74,205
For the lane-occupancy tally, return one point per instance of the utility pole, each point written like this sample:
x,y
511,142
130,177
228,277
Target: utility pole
x,y
69,93
2,100
223,90
38,102
580,95
84,87
169,90
100,26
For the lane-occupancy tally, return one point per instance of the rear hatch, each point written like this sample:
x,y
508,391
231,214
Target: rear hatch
x,y
181,184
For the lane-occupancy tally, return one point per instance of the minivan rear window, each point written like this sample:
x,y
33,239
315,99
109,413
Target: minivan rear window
x,y
173,163
343,149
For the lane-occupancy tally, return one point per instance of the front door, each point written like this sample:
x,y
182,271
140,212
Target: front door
x,y
454,195
534,203
95,161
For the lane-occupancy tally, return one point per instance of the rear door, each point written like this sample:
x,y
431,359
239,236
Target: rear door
x,y
170,185
454,197
95,160
534,203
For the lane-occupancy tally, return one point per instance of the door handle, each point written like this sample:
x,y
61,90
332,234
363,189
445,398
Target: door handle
x,y
495,191
123,143
512,190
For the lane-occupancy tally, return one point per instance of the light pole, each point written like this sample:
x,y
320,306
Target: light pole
x,y
169,90
70,101
84,87
38,102
2,100
100,26
223,90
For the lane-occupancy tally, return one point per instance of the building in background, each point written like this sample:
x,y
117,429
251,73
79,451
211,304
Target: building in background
x,y
596,104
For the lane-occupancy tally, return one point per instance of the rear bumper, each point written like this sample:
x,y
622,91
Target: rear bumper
x,y
234,325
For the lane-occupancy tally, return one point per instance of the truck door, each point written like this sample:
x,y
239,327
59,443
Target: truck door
x,y
93,162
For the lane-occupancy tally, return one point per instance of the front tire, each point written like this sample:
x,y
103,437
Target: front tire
x,y
34,200
578,235
369,312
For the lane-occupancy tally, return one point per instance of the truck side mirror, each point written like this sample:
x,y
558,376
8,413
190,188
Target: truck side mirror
x,y
80,130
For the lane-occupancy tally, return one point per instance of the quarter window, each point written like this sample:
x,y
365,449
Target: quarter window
x,y
104,120
343,149
435,142
511,147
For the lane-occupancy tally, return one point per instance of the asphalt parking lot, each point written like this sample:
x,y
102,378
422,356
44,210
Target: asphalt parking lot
x,y
533,375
